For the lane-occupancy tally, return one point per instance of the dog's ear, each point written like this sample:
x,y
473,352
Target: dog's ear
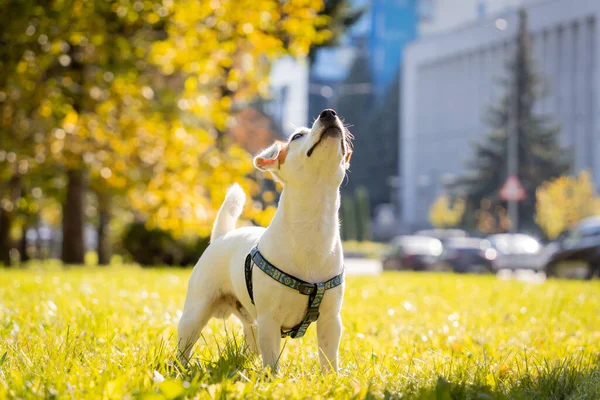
x,y
272,157
347,158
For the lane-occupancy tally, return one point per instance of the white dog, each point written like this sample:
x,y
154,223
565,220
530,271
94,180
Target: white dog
x,y
302,241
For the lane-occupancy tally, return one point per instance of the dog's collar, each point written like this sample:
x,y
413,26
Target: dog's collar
x,y
315,291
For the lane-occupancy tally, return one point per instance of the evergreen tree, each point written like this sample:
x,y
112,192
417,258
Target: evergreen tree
x,y
363,214
383,141
341,16
540,155
349,228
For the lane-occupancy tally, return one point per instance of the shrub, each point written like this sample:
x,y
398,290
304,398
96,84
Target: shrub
x,y
158,247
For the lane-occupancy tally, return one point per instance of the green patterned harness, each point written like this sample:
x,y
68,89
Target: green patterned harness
x,y
314,291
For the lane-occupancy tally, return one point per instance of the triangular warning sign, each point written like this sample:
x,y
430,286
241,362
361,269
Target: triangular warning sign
x,y
512,190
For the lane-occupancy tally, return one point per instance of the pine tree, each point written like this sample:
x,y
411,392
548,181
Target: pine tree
x,y
383,140
363,214
348,222
341,17
540,156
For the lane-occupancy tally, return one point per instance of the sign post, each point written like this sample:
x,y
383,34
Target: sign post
x,y
513,192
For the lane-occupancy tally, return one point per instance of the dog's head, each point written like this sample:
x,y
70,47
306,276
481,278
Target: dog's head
x,y
319,154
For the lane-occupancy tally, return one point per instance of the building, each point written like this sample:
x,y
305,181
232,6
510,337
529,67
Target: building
x,y
288,104
439,16
450,80
394,24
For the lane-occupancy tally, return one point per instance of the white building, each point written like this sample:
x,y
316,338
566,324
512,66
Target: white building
x,y
450,80
439,16
289,94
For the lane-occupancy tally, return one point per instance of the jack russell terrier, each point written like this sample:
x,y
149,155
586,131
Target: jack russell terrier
x,y
279,279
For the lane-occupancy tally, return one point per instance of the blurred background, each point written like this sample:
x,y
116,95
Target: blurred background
x,y
477,126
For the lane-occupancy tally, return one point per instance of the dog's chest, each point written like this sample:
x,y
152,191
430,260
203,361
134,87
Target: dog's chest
x,y
286,304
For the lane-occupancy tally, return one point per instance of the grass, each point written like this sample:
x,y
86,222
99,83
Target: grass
x,y
110,333
365,249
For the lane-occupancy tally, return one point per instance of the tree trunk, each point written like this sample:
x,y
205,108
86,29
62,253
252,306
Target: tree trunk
x,y
72,242
6,217
104,252
39,246
24,257
5,244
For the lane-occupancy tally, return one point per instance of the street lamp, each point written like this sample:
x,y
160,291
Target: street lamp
x,y
512,138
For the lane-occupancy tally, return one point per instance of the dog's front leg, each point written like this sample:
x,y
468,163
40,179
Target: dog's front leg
x,y
269,340
329,332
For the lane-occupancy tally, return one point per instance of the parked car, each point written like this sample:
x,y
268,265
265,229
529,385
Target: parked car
x,y
467,254
578,252
516,251
411,252
443,234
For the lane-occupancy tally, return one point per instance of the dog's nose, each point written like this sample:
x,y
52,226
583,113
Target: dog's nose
x,y
327,115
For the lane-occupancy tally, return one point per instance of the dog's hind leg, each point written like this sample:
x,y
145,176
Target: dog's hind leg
x,y
192,321
251,336
250,331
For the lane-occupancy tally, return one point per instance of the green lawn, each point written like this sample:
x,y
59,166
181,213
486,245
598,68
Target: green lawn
x,y
110,333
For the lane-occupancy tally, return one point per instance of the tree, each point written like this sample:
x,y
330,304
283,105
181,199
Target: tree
x,y
540,156
22,68
445,213
564,201
340,16
132,98
348,220
64,57
363,214
492,218
220,57
382,141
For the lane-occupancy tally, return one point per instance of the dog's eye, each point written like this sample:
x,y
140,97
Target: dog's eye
x,y
296,136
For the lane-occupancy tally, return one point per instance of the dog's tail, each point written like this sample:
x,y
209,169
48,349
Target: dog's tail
x,y
230,211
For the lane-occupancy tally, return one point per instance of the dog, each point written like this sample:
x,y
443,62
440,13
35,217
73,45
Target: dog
x,y
302,241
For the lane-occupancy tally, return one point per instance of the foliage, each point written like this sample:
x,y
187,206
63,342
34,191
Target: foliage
x,y
221,57
158,247
564,201
131,99
348,219
341,16
382,154
447,213
540,156
363,214
366,249
492,218
356,216
430,336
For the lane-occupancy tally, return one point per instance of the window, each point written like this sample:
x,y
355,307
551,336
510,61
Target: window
x,y
426,10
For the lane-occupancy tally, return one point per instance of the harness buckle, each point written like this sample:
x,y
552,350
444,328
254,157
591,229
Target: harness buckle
x,y
312,314
307,288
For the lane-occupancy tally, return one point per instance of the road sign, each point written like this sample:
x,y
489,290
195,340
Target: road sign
x,y
512,190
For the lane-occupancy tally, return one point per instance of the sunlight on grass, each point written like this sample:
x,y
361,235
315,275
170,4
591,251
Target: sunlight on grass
x,y
111,333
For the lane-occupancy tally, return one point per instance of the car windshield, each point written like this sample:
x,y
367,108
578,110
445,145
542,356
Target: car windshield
x,y
516,244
